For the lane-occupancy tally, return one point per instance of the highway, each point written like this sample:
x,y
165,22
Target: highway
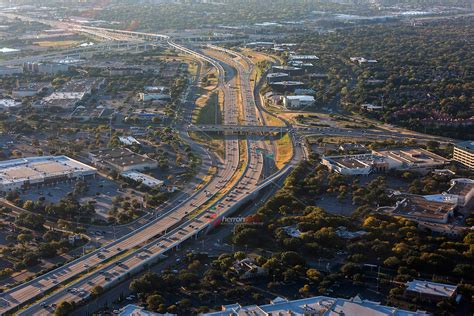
x,y
165,232
31,290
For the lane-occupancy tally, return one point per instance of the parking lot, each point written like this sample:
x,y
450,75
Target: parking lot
x,y
100,189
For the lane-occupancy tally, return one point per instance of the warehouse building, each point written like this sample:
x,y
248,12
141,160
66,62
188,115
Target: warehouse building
x,y
33,171
121,160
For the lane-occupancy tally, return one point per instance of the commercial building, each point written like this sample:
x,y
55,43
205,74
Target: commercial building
x,y
415,159
430,291
30,89
134,310
298,101
6,104
69,95
89,113
277,76
420,209
303,58
289,70
24,172
121,160
10,70
460,193
247,269
142,178
46,68
363,164
318,305
464,153
287,86
154,93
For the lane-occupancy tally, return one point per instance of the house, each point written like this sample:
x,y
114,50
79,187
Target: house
x,y
247,268
371,107
298,101
430,291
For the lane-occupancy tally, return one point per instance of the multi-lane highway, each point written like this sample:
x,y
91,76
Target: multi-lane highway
x,y
103,267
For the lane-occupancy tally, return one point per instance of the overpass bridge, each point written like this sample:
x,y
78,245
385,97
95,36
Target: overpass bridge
x,y
238,129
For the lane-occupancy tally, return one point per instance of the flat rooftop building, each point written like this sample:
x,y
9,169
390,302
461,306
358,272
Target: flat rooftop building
x,y
432,291
142,178
418,208
20,173
121,160
318,305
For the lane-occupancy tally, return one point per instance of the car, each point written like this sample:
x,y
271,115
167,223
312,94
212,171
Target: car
x,y
44,305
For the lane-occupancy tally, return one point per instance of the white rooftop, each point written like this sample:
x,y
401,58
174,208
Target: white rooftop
x,y
143,178
318,305
431,288
8,103
307,98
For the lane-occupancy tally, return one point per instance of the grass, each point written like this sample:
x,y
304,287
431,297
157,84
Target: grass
x,y
212,140
210,113
284,150
56,43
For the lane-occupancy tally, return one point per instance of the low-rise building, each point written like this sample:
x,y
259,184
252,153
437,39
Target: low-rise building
x,y
303,58
277,76
142,178
289,70
430,291
287,86
460,193
46,68
25,172
371,107
298,101
121,160
30,89
6,104
247,268
463,153
318,305
420,209
363,164
10,70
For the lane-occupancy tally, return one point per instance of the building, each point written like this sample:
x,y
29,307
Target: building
x,y
362,164
371,107
30,89
289,70
303,58
318,305
150,96
420,209
124,71
46,68
416,159
430,291
298,101
24,172
10,70
287,86
69,95
89,113
460,193
121,160
142,178
247,269
128,140
6,104
277,76
353,148
134,310
464,153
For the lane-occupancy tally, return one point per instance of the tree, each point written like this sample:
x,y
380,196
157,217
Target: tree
x,y
314,275
97,291
64,309
154,301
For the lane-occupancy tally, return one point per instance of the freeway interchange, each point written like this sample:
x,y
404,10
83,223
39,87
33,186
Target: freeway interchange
x,y
238,179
